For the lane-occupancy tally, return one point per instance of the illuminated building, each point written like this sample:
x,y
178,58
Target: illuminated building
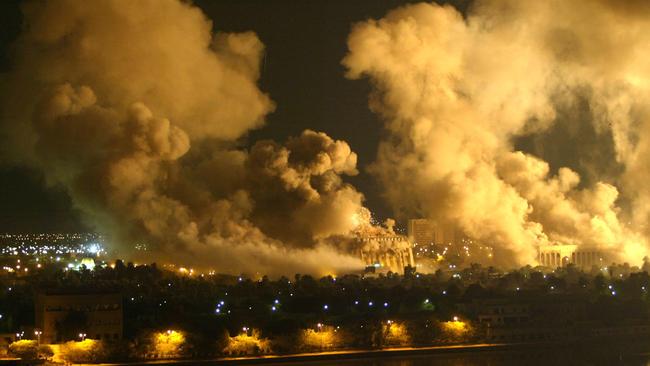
x,y
560,255
102,313
421,231
425,231
434,243
392,252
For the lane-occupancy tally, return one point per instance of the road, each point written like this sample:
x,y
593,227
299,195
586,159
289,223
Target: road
x,y
325,356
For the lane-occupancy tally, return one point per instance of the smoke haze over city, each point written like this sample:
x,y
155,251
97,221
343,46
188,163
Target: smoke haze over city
x,y
521,124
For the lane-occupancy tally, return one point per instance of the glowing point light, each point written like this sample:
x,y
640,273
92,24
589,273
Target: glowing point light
x,y
169,343
325,307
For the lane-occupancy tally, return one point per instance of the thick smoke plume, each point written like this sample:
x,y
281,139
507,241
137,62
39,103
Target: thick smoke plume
x,y
136,108
459,94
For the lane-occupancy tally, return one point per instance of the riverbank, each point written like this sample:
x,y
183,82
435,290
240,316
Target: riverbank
x,y
592,351
333,355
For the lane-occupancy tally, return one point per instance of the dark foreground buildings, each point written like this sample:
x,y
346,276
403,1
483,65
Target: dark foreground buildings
x,y
70,315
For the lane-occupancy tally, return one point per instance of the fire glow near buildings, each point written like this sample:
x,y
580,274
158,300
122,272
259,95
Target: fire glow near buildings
x,y
427,247
561,255
390,252
238,157
442,245
128,146
428,232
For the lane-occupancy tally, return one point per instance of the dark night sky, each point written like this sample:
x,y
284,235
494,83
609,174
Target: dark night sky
x,y
305,42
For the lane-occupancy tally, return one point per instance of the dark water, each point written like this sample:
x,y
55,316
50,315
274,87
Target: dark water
x,y
599,354
503,360
484,360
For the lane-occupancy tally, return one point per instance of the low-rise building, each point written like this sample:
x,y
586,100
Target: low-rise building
x,y
560,255
60,316
524,319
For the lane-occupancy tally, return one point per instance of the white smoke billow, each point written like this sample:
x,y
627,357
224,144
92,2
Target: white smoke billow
x,y
136,108
457,92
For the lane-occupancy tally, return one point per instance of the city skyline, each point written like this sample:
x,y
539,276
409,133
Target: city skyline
x,y
340,182
264,135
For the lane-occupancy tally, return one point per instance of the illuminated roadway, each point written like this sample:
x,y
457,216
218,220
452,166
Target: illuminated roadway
x,y
325,356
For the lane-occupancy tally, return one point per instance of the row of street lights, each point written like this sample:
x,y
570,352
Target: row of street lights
x,y
38,333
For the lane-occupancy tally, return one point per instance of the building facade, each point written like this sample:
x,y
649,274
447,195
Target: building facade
x,y
561,255
525,318
391,252
98,316
426,232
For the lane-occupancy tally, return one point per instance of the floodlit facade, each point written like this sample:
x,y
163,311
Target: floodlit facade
x,y
102,313
421,231
434,243
560,255
425,231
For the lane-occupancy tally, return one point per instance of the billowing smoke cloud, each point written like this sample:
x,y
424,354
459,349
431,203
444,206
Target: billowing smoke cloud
x,y
457,93
136,108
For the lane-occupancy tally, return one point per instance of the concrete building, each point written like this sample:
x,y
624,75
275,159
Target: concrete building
x,y
560,255
425,231
421,231
497,313
436,245
529,318
392,252
101,314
